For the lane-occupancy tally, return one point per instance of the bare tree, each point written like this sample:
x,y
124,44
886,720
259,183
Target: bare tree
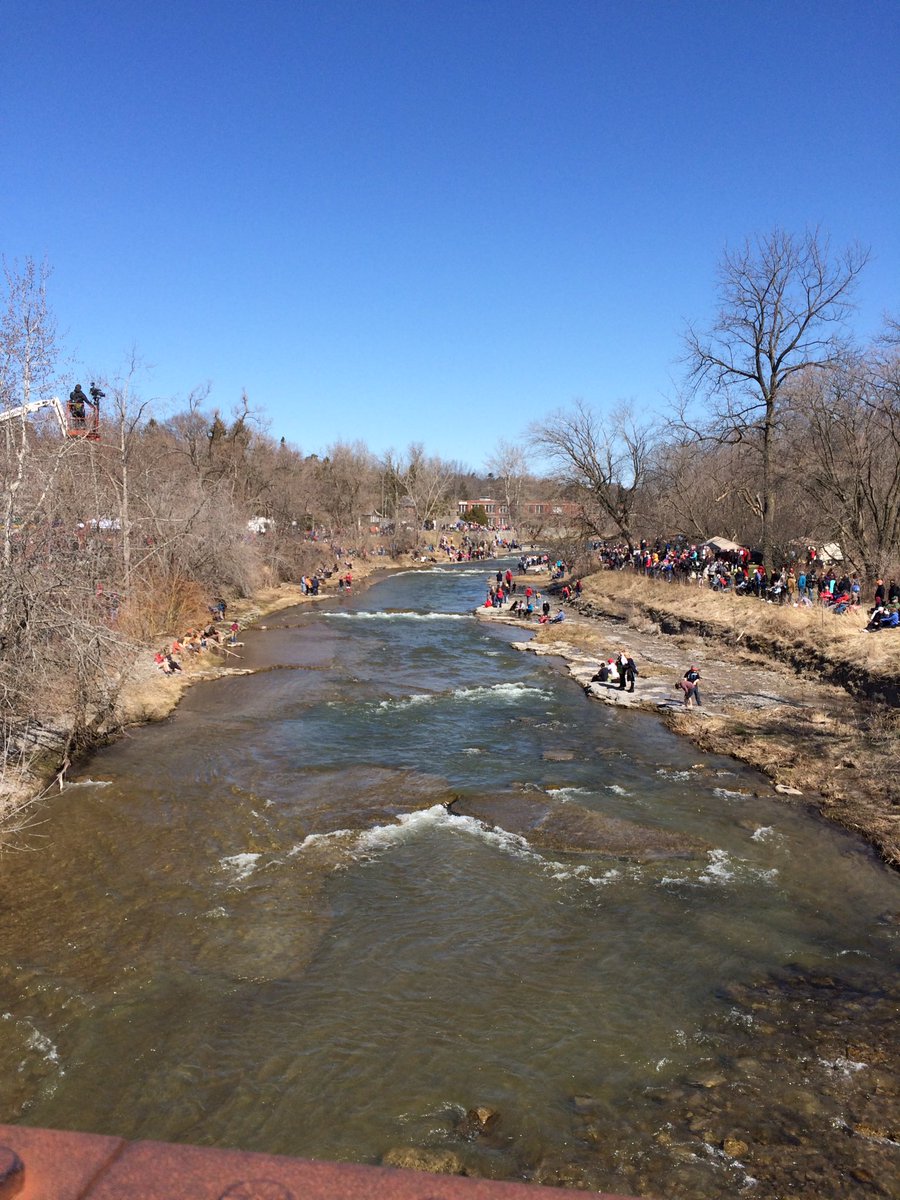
x,y
698,491
509,466
344,478
128,411
390,471
850,417
602,463
425,480
28,352
783,303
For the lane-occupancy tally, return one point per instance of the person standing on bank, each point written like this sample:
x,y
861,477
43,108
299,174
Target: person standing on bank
x,y
631,672
692,692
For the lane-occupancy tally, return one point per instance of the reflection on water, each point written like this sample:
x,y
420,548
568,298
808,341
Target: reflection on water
x,y
324,910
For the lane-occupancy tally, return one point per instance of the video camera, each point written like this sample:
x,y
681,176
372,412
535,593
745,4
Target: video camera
x,y
96,394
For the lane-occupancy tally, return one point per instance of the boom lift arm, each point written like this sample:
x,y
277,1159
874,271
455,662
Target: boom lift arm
x,y
73,429
35,406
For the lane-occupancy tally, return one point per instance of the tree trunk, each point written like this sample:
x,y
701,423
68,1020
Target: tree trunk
x,y
768,488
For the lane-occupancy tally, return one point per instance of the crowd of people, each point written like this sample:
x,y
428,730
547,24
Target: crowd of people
x,y
524,601
469,548
885,613
170,658
805,582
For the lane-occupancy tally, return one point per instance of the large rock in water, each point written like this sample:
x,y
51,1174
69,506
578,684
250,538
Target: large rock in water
x,y
479,1121
573,829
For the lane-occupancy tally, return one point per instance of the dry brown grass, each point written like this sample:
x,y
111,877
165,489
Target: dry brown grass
x,y
168,604
837,764
569,634
838,638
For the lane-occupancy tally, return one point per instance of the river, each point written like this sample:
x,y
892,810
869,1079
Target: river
x,y
257,925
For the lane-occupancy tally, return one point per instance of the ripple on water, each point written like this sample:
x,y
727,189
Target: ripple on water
x,y
414,824
316,840
239,866
721,870
507,693
731,794
399,615
566,794
370,844
764,833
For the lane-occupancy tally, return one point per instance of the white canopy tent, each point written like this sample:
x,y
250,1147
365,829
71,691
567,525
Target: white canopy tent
x,y
720,544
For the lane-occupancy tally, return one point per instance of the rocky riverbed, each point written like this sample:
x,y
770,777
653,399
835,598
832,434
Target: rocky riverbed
x,y
831,1131
818,744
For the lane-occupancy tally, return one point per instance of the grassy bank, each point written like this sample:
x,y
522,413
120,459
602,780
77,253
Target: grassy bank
x,y
831,647
834,732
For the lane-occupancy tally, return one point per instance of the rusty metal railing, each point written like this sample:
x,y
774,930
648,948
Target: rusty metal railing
x,y
44,1164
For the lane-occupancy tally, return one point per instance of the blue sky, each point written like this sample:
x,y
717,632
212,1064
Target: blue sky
x,y
431,220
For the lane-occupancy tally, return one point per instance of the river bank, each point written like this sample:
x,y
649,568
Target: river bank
x,y
148,695
781,713
145,694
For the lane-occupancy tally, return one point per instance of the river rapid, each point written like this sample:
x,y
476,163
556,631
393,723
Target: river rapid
x,y
257,924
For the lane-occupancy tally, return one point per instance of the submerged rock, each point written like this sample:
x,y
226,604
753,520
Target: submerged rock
x,y
573,829
576,829
710,1080
568,1171
420,1158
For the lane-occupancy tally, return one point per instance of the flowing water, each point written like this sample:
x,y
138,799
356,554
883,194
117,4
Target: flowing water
x,y
256,924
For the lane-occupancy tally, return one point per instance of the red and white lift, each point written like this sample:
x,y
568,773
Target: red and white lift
x,y
71,425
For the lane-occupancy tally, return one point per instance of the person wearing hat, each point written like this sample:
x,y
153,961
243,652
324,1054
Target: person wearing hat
x,y
77,401
879,592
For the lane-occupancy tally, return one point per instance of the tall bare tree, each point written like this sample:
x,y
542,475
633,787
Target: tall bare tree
x,y
28,351
783,303
509,466
850,418
601,462
425,480
127,414
344,478
390,473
